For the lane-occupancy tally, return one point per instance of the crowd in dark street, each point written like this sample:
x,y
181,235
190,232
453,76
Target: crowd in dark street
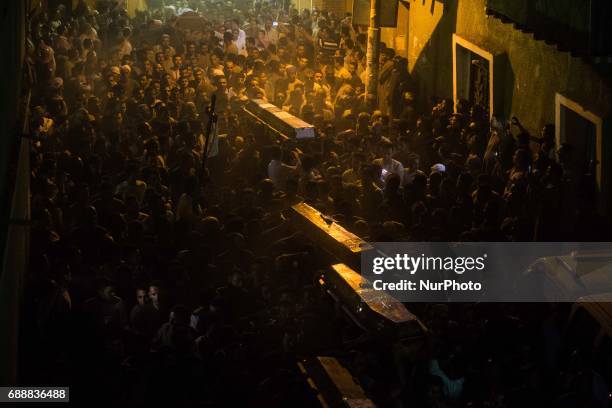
x,y
163,274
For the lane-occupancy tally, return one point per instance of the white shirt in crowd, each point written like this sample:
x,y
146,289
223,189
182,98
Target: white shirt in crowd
x,y
241,40
278,172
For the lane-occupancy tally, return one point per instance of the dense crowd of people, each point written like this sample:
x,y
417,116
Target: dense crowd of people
x,y
162,273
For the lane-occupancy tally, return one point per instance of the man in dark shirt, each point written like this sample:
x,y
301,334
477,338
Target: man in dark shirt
x,y
327,44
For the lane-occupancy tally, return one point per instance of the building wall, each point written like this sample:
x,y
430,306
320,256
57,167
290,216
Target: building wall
x,y
533,71
133,5
395,37
130,5
338,7
528,72
429,47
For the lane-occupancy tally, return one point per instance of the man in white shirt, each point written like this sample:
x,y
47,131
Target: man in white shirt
x,y
388,164
240,36
125,46
278,171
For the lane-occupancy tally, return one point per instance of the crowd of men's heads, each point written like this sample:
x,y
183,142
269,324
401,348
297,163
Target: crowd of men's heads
x,y
167,271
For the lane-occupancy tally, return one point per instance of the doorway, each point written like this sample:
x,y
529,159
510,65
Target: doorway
x,y
583,131
472,74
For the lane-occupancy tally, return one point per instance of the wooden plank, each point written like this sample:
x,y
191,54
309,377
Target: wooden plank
x,y
331,237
